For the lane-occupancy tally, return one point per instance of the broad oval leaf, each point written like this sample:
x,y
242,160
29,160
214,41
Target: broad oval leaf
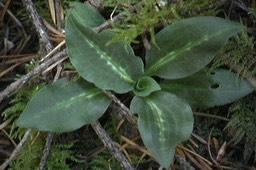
x,y
145,86
187,46
64,106
110,67
164,120
203,89
86,15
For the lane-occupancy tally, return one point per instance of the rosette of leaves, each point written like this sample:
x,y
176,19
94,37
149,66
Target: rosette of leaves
x,y
165,117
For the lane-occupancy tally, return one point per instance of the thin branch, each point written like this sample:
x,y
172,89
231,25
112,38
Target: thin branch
x,y
18,84
107,141
16,150
46,151
252,81
50,135
44,39
43,36
13,87
123,109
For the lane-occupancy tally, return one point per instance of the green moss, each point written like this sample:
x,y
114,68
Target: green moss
x,y
238,54
142,21
17,105
191,8
104,161
61,157
151,15
243,122
122,3
29,157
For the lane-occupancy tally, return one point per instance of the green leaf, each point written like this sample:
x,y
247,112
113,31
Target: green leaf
x,y
204,89
187,46
145,86
164,120
86,15
64,106
110,67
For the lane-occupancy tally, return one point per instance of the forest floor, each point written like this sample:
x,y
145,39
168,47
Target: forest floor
x,y
224,137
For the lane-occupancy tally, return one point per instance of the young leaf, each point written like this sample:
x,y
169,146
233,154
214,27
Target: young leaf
x,y
145,86
204,89
164,120
110,67
64,106
187,46
86,15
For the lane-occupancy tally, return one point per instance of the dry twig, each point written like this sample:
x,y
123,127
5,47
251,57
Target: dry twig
x,y
44,39
43,36
46,151
13,87
16,150
111,146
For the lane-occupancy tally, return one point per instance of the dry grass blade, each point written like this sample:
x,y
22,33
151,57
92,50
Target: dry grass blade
x,y
4,72
193,143
134,145
59,14
195,154
210,116
54,34
209,148
18,58
58,47
52,29
199,138
5,123
5,7
120,123
180,152
52,10
10,138
203,163
192,159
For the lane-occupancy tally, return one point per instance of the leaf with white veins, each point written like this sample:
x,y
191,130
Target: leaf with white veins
x,y
110,67
164,120
187,46
203,89
64,106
